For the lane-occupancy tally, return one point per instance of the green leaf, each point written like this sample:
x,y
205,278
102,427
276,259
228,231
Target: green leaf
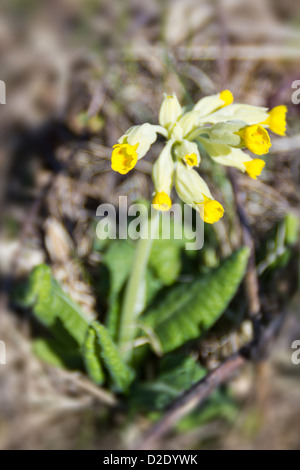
x,y
118,259
153,286
177,373
189,309
121,374
91,357
70,326
291,228
165,260
55,354
220,405
55,309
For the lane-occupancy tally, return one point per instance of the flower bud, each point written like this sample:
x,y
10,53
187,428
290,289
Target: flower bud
x,y
170,110
163,170
235,157
237,112
189,122
209,104
193,190
190,187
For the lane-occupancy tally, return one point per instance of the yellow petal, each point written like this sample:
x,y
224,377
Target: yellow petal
x,y
191,159
161,201
213,210
256,139
254,167
227,97
124,157
277,120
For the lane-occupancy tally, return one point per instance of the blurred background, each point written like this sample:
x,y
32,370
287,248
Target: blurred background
x,y
78,74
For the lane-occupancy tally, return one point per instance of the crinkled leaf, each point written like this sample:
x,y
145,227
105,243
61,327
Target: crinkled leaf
x,y
91,355
54,308
120,374
189,309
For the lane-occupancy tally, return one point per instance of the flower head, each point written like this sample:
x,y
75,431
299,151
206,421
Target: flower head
x,y
214,126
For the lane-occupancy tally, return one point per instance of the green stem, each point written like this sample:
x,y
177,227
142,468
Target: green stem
x,y
194,134
134,299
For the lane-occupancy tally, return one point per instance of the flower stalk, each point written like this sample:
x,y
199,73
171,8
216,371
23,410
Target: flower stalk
x,y
135,291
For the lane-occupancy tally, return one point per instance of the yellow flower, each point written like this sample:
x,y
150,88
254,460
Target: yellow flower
x,y
227,97
193,190
215,125
133,146
210,104
191,159
254,167
124,157
213,210
235,157
256,139
161,201
188,152
277,120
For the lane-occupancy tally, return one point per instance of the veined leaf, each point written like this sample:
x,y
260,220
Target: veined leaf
x,y
55,309
118,259
91,355
190,309
73,330
121,374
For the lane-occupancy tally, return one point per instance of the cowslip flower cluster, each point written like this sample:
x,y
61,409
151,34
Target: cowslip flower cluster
x,y
215,126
